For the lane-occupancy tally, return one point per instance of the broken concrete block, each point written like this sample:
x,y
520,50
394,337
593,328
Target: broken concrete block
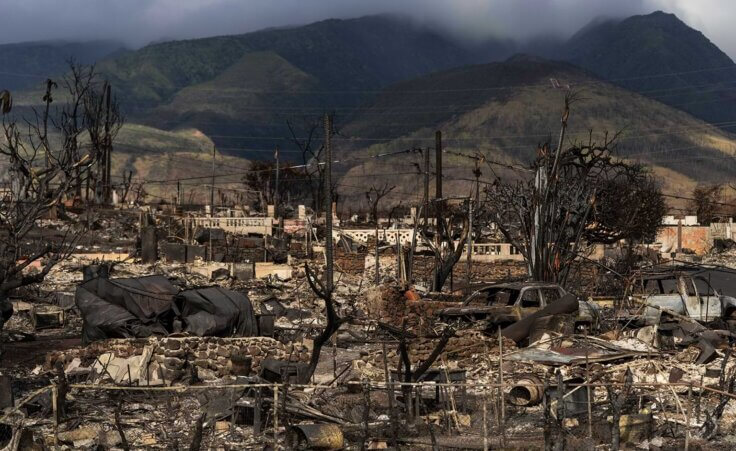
x,y
222,426
243,271
130,370
265,269
149,245
47,317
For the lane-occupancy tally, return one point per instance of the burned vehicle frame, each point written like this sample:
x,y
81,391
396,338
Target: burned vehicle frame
x,y
658,295
503,304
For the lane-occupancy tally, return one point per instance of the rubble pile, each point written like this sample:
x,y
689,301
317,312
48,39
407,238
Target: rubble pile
x,y
219,346
168,360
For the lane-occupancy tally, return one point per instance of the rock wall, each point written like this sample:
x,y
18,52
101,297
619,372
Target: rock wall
x,y
351,263
481,271
464,349
363,263
389,304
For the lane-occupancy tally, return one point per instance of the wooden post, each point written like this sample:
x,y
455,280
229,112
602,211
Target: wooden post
x,y
257,412
275,416
55,411
438,209
687,416
700,398
547,407
390,392
590,401
470,245
485,420
366,411
212,188
265,248
398,258
438,171
426,190
276,199
500,381
196,443
560,438
378,277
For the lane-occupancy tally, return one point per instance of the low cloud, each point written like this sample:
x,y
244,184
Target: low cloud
x,y
137,22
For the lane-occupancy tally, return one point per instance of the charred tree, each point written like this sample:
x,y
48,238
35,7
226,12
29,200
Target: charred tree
x,y
568,197
334,321
374,196
452,233
41,173
311,145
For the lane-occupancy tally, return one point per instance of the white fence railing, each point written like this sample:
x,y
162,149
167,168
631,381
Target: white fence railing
x,y
242,226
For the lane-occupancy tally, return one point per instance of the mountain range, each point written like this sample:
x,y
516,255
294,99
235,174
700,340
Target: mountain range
x,y
392,83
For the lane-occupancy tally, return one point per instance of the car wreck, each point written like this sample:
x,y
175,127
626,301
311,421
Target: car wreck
x,y
503,304
658,296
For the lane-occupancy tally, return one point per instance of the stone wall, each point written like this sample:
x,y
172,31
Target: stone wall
x,y
389,304
350,263
363,263
174,358
695,238
496,271
464,349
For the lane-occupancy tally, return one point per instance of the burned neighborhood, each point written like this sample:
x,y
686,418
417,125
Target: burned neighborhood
x,y
366,233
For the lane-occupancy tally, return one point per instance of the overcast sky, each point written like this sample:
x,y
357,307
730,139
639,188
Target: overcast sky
x,y
137,22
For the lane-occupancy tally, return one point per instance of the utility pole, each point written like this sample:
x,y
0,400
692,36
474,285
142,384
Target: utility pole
x,y
212,187
470,243
438,204
108,147
276,199
477,175
438,170
378,269
328,205
426,189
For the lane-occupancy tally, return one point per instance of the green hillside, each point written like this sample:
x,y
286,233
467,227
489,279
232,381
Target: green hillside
x,y
503,110
160,157
248,85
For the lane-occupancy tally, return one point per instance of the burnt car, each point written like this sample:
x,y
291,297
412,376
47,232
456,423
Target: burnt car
x,y
506,303
656,294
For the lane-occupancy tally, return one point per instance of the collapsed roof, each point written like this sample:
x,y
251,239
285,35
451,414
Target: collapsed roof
x,y
144,306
